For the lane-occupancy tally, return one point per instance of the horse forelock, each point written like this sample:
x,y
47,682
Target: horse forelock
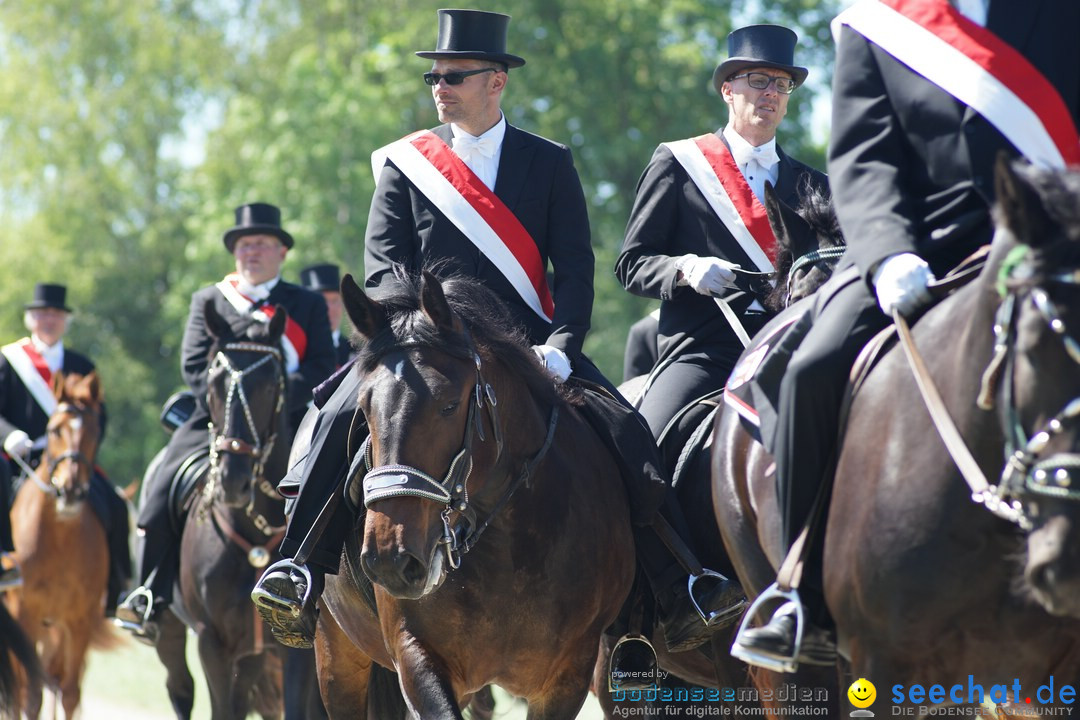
x,y
1059,195
492,332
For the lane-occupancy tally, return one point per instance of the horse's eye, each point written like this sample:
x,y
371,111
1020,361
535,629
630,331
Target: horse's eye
x,y
449,409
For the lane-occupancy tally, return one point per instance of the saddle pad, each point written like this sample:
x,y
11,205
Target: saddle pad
x,y
753,390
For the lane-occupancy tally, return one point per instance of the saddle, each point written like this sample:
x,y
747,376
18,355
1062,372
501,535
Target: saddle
x,y
184,485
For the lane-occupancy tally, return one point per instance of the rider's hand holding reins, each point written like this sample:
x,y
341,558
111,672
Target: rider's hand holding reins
x,y
706,275
902,283
18,444
555,360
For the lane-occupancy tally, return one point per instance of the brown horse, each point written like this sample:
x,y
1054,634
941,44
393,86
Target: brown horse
x,y
928,583
505,570
60,543
232,530
809,245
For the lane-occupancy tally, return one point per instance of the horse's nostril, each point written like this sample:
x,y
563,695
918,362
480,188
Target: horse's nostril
x,y
412,570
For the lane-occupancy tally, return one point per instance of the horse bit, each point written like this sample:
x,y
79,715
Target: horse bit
x,y
1025,471
387,481
258,450
75,456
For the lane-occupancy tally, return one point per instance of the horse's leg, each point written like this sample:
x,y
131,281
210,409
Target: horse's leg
x,y
567,689
427,689
171,650
248,672
482,704
218,669
343,671
74,645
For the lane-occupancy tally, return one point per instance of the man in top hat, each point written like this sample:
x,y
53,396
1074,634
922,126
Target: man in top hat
x,y
683,242
251,294
325,278
911,154
421,216
26,402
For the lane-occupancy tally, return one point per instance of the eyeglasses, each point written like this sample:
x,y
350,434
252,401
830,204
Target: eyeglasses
x,y
760,81
453,78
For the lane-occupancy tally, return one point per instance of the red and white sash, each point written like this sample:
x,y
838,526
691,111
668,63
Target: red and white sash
x,y
444,179
976,67
33,371
709,163
293,342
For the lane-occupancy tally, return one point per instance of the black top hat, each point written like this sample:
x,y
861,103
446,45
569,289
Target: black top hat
x,y
49,296
257,219
473,35
321,277
760,46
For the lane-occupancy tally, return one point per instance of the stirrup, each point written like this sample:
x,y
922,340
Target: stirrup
x,y
138,629
715,617
770,662
275,603
628,643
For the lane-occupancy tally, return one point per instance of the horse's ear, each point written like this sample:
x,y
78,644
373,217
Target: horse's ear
x,y
366,315
433,302
277,325
88,388
58,379
215,324
791,231
93,386
1019,207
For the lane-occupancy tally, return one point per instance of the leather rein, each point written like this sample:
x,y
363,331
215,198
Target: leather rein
x,y
1025,471
452,490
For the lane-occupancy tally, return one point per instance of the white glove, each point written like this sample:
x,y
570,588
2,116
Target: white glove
x,y
902,282
18,443
554,360
706,275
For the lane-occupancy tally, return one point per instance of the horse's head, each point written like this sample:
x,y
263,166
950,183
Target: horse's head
x,y
72,434
809,244
1036,371
428,393
246,400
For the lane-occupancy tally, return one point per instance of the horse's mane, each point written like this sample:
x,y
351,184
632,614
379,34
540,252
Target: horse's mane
x,y
493,330
817,209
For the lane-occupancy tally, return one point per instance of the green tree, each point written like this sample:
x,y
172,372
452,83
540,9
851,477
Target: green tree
x,y
132,128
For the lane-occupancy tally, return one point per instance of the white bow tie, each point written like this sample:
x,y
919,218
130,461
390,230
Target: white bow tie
x,y
257,293
766,157
465,146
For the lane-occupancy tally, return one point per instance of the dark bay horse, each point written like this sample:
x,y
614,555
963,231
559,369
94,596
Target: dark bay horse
x,y
232,530
60,544
809,244
929,581
497,529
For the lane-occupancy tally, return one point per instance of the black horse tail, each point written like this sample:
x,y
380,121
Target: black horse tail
x,y
385,700
14,644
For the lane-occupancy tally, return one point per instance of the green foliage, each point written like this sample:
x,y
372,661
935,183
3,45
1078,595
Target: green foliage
x,y
132,128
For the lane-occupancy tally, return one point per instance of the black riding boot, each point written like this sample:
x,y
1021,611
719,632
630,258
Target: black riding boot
x,y
286,597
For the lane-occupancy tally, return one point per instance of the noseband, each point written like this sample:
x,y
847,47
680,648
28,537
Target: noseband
x,y
222,442
452,491
1027,472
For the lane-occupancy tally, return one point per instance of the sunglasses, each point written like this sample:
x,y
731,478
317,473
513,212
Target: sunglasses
x,y
760,81
453,78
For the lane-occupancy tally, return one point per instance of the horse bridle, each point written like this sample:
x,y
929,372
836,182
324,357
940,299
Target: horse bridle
x,y
53,462
223,442
452,491
1027,472
827,255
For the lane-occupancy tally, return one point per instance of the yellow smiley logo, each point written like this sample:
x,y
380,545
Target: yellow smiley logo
x,y
862,693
